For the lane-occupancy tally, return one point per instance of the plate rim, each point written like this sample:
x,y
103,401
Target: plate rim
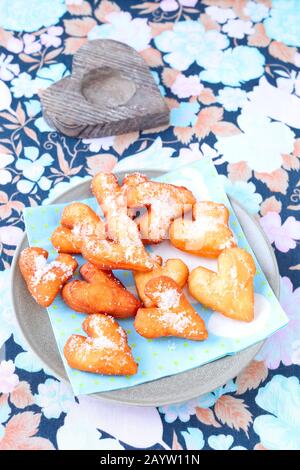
x,y
106,396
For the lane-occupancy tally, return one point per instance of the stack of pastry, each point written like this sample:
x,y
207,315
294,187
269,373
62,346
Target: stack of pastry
x,y
117,241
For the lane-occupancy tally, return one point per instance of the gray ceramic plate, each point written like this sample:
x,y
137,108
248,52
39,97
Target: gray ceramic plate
x,y
35,325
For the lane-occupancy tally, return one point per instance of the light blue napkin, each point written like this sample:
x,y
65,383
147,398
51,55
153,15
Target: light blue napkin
x,y
166,356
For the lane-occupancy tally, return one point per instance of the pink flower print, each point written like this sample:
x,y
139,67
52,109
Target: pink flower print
x,y
7,69
289,82
50,38
169,5
283,236
8,380
20,433
184,87
28,44
10,235
15,45
188,3
172,5
281,346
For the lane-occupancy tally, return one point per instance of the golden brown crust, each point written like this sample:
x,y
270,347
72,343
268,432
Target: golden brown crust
x,y
124,248
82,231
111,255
207,235
44,280
172,315
106,189
100,292
132,179
230,291
78,221
173,268
164,203
79,212
104,351
64,241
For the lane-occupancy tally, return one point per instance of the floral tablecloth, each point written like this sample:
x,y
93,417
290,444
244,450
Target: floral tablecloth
x,y
229,71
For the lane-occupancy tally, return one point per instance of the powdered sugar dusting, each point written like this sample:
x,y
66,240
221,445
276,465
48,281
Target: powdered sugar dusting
x,y
98,322
170,298
233,273
124,237
227,244
101,342
76,230
208,219
82,230
178,321
43,270
162,212
203,225
49,276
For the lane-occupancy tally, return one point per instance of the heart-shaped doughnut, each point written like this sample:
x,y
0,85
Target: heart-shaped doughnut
x,y
44,280
104,351
173,268
78,221
111,91
229,291
100,292
124,248
172,315
207,234
82,231
164,203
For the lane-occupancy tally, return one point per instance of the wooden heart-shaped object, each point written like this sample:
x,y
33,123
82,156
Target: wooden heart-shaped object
x,y
207,234
111,91
173,268
104,351
229,291
172,315
164,202
100,292
44,280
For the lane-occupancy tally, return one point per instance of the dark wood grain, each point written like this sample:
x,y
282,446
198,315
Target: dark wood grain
x,y
111,91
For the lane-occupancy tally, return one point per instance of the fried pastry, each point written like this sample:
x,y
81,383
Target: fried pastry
x,y
124,248
100,292
78,222
64,241
173,268
44,280
164,203
207,234
104,351
82,231
132,179
172,315
230,291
